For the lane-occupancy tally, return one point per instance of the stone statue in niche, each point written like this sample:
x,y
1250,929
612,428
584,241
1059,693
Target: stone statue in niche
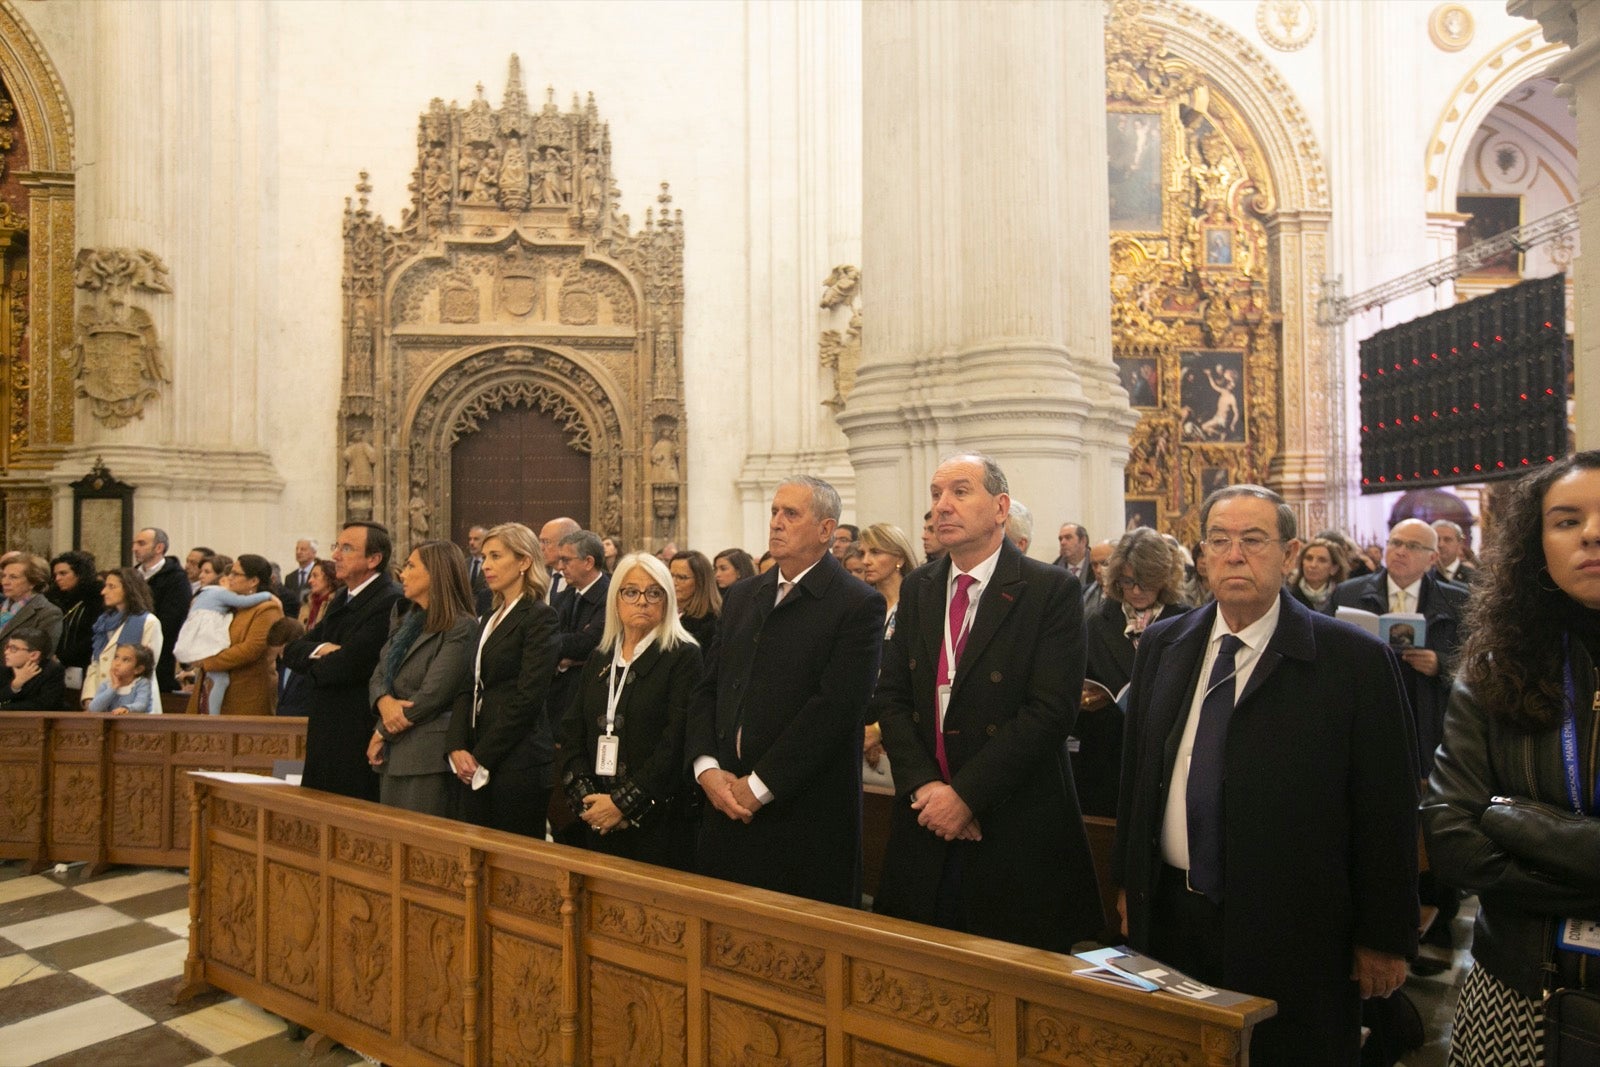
x,y
467,171
514,178
666,372
664,458
593,192
611,513
841,352
488,177
419,513
116,358
554,185
360,461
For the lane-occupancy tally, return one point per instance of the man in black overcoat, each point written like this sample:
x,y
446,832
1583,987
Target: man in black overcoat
x,y
1267,827
338,657
581,614
774,731
986,835
169,594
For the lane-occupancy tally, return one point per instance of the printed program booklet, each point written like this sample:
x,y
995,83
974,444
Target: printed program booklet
x,y
1401,629
1121,966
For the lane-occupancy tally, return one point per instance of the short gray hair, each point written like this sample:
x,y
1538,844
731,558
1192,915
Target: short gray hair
x,y
587,543
312,541
1446,524
1287,525
825,502
1019,524
159,536
994,479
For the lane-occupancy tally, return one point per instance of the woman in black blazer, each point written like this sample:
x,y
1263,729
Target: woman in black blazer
x,y
502,749
622,741
694,586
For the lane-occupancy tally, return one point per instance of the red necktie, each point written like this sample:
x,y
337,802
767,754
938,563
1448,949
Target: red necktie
x,y
958,637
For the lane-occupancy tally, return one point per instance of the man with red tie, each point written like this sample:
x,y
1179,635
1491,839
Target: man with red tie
x,y
979,690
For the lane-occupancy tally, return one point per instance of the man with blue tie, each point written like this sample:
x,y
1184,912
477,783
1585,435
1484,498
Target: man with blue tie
x,y
1267,829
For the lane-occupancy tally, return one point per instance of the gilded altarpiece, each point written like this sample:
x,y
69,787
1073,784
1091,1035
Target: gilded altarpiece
x,y
1193,333
513,279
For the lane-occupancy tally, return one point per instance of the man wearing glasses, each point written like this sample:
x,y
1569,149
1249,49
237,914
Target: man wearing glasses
x,y
1266,828
32,679
581,610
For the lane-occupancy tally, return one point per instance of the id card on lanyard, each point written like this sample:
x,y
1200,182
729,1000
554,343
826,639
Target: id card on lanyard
x,y
1576,935
606,750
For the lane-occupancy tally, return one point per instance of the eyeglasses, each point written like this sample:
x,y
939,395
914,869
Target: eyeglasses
x,y
564,560
1249,544
1410,546
1129,583
654,595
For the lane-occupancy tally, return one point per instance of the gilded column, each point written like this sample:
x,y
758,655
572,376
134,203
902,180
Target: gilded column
x,y
985,219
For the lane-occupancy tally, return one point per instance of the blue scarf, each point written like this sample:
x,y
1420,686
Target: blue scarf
x,y
400,642
108,623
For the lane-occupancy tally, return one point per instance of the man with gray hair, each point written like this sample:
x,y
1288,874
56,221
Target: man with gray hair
x,y
774,729
580,612
1452,565
1019,525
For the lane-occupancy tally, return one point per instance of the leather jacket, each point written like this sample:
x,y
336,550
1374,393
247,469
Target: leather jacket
x,y
1530,859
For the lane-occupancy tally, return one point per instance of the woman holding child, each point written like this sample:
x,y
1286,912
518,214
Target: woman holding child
x,y
247,663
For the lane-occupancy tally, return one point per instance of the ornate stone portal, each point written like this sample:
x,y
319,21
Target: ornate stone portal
x,y
513,280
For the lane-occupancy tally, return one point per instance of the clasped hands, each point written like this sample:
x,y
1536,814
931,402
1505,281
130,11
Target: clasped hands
x,y
729,795
392,711
941,810
601,813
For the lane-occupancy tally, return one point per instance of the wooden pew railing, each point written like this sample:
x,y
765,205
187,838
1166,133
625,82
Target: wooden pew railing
x,y
114,788
424,941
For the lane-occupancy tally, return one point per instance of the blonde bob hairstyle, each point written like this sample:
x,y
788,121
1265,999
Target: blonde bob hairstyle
x,y
522,543
887,537
670,634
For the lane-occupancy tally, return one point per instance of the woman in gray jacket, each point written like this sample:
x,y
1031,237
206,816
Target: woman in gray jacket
x,y
424,676
1513,809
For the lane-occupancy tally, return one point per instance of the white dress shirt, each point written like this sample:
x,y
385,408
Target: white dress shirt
x,y
1412,593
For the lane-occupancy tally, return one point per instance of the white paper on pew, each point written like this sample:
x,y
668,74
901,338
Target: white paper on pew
x,y
241,777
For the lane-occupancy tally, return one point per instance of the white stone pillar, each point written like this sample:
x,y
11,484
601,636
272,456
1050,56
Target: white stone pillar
x,y
1577,25
985,264
170,161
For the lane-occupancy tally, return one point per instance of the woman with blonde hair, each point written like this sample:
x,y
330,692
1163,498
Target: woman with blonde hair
x,y
887,553
502,749
622,740
423,680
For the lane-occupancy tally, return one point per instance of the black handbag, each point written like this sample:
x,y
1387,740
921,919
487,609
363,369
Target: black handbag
x,y
1572,1029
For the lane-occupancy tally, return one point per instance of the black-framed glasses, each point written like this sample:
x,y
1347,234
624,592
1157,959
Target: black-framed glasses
x,y
654,595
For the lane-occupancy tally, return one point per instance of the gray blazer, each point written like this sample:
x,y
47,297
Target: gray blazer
x,y
38,613
437,676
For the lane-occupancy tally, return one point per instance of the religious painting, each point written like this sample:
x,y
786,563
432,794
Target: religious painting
x,y
1133,148
1212,393
1139,511
1219,247
1141,377
1492,214
1213,479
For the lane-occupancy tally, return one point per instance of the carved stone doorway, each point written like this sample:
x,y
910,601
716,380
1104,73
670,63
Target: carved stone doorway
x,y
517,467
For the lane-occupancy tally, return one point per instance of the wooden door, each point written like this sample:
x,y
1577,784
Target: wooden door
x,y
516,468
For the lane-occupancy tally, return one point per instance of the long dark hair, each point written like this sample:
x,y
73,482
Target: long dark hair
x,y
1512,655
449,591
136,596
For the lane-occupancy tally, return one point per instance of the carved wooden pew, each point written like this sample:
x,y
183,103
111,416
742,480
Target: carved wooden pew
x,y
420,940
113,788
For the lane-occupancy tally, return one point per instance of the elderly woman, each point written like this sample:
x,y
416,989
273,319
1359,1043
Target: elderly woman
x,y
503,750
732,565
423,679
622,740
1511,812
25,579
888,557
128,619
1144,582
250,663
699,599
1322,566
77,594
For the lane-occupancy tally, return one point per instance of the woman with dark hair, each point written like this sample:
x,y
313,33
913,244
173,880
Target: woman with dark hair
x,y
699,599
423,679
622,739
503,749
732,565
1511,812
248,662
76,591
128,619
1322,566
1144,582
321,586
612,548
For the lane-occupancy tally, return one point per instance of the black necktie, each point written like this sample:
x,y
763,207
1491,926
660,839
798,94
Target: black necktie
x,y
1204,796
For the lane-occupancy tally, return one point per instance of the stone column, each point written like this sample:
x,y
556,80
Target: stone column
x,y
985,265
171,127
1577,25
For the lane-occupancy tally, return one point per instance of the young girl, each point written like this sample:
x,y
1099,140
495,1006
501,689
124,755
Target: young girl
x,y
205,632
128,688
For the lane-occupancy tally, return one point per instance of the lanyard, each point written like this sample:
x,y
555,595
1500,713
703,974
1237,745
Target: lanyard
x,y
614,684
1569,740
966,627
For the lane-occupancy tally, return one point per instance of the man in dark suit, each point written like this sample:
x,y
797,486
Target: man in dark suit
x,y
550,535
169,592
297,581
979,689
774,731
1074,542
581,613
482,598
1452,565
1266,829
1405,583
338,657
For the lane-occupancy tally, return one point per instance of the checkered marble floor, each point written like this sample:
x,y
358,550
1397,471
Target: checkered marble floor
x,y
87,968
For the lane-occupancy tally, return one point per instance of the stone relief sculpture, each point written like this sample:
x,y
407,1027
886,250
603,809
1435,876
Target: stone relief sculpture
x,y
514,221
116,359
841,352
